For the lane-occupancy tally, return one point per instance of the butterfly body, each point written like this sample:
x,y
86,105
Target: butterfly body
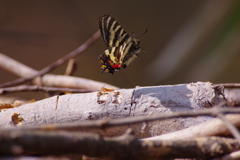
x,y
123,48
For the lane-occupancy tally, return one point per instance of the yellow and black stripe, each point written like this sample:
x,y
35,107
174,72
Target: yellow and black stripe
x,y
123,49
112,32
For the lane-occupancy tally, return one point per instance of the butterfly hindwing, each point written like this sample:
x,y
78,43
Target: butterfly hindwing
x,y
123,49
110,60
129,53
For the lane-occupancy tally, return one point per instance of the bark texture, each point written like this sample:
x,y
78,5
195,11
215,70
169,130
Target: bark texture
x,y
119,104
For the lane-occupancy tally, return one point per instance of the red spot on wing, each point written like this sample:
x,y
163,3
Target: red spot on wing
x,y
116,66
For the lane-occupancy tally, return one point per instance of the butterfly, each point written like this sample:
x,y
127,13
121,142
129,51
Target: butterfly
x,y
122,50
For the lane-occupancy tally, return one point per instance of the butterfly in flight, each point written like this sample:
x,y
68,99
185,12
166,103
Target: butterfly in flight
x,y
122,50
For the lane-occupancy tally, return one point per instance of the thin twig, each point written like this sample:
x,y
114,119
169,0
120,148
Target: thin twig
x,y
55,64
50,80
230,126
71,67
228,85
25,88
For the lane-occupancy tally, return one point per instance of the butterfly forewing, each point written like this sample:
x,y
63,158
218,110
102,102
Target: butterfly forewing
x,y
123,49
112,32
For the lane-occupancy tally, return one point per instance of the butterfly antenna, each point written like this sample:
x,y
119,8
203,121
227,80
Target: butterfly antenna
x,y
144,32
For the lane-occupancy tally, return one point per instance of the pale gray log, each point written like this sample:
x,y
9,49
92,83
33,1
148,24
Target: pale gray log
x,y
122,104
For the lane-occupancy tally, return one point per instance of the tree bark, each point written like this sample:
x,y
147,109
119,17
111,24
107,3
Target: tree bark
x,y
120,104
117,148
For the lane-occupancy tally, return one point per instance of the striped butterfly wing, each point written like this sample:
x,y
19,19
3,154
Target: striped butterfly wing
x,y
110,59
112,32
116,57
123,49
129,52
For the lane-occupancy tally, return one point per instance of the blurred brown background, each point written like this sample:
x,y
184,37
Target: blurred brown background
x,y
187,41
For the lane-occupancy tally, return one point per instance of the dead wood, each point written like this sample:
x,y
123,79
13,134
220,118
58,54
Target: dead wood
x,y
47,69
126,146
230,156
214,127
121,104
25,88
50,80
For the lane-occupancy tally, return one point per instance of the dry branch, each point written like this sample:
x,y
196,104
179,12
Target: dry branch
x,y
231,156
53,65
229,85
211,128
122,104
71,67
24,88
232,95
230,127
50,80
122,147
